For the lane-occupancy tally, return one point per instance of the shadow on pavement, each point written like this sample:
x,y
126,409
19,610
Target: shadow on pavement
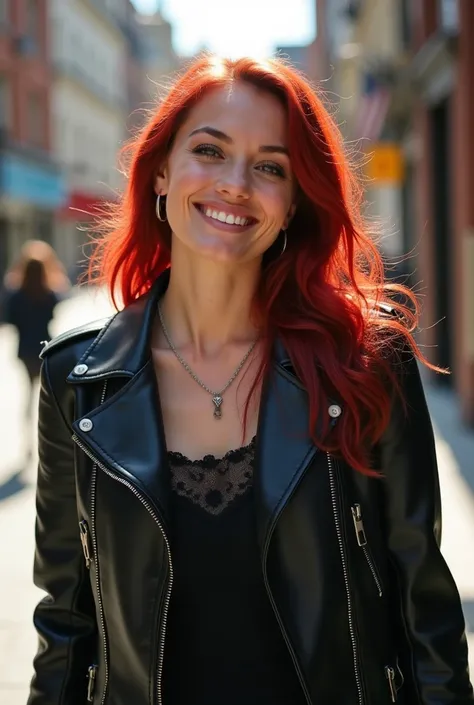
x,y
13,485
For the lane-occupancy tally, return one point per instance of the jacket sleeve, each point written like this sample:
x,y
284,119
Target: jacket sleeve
x,y
65,618
428,609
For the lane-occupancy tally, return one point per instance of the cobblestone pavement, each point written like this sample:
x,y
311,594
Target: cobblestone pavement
x,y
18,595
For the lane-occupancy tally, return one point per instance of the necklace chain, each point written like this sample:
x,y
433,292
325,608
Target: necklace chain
x,y
217,397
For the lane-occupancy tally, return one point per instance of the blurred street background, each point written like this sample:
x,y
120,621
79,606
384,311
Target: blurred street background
x,y
77,77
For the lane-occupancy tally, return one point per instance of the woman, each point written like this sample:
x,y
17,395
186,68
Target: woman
x,y
33,288
244,451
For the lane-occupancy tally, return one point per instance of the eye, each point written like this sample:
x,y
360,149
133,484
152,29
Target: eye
x,y
207,150
272,169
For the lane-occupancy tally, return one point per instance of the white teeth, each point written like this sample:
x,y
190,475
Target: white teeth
x,y
224,217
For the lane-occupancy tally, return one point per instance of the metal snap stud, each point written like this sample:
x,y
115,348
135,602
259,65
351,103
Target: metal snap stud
x,y
334,411
86,425
80,369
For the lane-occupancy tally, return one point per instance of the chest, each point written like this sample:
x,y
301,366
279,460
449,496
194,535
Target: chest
x,y
194,424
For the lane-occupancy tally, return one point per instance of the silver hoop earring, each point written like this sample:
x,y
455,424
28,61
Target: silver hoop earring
x,y
284,243
158,209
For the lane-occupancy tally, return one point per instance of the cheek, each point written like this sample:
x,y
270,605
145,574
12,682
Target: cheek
x,y
186,178
185,181
276,202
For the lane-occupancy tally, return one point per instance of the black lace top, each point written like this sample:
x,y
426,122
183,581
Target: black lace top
x,y
223,644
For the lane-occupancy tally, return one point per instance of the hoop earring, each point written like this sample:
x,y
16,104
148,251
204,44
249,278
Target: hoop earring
x,y
159,209
284,243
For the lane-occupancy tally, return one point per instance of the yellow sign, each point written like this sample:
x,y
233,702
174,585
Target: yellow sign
x,y
384,165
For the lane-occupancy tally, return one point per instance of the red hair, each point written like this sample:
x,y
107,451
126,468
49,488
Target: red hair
x,y
319,297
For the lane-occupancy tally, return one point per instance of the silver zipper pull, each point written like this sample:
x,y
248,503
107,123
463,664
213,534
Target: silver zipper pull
x,y
390,675
91,676
85,540
359,525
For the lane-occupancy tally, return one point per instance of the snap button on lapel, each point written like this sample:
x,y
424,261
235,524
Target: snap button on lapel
x,y
86,425
334,411
80,370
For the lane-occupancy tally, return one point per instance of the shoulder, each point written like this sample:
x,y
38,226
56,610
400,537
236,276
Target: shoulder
x,y
72,343
9,295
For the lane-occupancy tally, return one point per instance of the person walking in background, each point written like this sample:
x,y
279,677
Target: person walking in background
x,y
33,287
237,497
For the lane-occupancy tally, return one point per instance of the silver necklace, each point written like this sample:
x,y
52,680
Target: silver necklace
x,y
217,397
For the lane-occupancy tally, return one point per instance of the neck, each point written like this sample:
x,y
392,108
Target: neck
x,y
208,304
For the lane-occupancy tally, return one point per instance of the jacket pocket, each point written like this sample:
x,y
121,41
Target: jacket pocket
x,y
362,542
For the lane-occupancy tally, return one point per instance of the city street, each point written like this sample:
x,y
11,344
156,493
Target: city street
x,y
17,476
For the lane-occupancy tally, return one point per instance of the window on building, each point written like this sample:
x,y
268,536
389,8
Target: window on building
x,y
36,120
448,16
5,104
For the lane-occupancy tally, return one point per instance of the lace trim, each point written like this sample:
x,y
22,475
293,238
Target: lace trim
x,y
213,483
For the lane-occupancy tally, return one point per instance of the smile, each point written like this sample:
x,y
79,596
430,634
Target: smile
x,y
225,217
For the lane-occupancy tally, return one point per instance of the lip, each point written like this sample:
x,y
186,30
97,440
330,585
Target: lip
x,y
234,210
227,208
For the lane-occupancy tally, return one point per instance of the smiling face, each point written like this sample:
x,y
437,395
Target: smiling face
x,y
228,182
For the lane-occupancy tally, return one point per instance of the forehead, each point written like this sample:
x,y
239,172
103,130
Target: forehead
x,y
242,111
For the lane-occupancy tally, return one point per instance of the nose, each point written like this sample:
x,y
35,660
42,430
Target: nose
x,y
234,182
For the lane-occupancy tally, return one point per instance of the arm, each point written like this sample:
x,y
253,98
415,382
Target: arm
x,y
65,618
428,609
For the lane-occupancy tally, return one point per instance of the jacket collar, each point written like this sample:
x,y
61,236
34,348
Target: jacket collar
x,y
122,347
284,449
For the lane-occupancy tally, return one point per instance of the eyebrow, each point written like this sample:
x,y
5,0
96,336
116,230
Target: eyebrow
x,y
213,132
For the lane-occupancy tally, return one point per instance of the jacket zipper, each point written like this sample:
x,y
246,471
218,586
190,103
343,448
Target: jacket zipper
x,y
85,540
91,676
390,675
362,541
151,511
340,540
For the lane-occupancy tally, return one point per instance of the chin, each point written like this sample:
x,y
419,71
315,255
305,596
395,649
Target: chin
x,y
225,252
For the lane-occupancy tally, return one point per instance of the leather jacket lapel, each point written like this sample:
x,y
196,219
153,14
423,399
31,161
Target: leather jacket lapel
x,y
284,449
126,435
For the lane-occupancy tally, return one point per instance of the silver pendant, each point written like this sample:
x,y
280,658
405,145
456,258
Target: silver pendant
x,y
217,399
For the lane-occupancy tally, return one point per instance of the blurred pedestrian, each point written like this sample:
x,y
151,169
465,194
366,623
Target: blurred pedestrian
x,y
33,287
238,498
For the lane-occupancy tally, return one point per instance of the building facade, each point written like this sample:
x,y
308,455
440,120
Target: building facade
x,y
403,73
442,39
89,113
158,58
136,88
31,183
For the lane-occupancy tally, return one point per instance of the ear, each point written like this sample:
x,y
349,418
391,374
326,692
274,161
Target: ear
x,y
161,181
289,216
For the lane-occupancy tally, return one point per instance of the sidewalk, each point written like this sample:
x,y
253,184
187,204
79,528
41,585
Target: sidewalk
x,y
18,595
455,449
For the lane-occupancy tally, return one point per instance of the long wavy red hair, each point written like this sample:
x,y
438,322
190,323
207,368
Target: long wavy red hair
x,y
324,297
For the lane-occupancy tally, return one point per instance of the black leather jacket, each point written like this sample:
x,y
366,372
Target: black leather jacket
x,y
364,600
